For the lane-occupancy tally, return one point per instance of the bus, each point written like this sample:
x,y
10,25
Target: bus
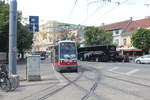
x,y
64,56
99,53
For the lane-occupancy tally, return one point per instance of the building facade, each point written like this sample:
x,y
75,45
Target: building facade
x,y
123,31
117,29
54,31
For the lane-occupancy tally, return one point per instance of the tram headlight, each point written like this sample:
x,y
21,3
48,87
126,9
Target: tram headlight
x,y
61,61
74,60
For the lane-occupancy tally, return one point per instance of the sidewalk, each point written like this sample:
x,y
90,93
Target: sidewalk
x,y
32,90
28,90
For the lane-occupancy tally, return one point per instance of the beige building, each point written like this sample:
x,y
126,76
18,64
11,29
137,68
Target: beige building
x,y
128,32
53,31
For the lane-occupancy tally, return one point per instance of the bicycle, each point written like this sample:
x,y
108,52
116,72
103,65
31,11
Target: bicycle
x,y
5,84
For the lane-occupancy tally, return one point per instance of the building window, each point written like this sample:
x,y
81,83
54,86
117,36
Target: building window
x,y
117,41
117,31
124,41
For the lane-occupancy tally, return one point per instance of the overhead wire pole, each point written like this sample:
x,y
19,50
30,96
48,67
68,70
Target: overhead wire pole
x,y
12,37
14,78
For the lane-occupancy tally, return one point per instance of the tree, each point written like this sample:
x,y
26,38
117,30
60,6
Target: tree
x,y
24,37
96,36
4,26
141,39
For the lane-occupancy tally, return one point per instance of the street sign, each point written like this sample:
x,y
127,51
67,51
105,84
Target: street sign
x,y
33,23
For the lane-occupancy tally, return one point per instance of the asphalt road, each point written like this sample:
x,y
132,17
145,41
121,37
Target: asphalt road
x,y
105,81
94,81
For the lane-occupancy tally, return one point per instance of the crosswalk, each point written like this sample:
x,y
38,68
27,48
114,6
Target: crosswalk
x,y
130,72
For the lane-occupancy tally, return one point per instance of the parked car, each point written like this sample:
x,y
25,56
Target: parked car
x,y
41,53
143,59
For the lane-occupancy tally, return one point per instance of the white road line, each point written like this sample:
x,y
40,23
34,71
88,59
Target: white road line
x,y
113,68
132,71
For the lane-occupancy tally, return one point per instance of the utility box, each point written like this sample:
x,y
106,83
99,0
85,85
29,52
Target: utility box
x,y
33,68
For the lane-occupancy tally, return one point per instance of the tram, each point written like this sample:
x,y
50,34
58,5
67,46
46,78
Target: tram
x,y
64,56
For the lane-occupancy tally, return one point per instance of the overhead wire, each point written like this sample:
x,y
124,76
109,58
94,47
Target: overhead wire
x,y
92,14
73,8
118,4
95,11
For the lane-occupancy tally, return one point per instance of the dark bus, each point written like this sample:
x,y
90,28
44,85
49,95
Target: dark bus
x,y
99,53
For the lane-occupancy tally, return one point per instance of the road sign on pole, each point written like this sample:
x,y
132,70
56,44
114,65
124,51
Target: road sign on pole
x,y
33,23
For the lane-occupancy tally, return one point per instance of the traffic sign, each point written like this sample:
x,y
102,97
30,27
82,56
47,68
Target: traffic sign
x,y
33,23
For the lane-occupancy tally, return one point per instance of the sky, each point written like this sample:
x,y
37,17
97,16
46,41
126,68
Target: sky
x,y
85,12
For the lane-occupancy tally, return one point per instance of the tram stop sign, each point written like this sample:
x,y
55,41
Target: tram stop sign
x,y
33,23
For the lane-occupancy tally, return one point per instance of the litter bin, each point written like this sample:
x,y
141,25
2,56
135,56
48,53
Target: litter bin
x,y
33,68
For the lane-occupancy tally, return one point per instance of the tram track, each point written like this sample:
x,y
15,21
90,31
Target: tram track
x,y
96,80
123,90
93,88
141,78
59,89
128,81
88,92
51,90
123,80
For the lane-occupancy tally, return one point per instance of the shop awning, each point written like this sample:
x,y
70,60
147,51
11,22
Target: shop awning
x,y
128,50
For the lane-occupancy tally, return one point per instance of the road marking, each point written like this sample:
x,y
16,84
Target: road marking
x,y
113,68
132,71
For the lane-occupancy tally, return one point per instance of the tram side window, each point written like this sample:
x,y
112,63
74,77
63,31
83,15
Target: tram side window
x,y
56,53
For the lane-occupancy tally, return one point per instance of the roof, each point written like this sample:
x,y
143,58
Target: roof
x,y
118,25
142,23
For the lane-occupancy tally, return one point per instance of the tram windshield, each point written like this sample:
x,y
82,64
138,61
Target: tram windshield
x,y
67,50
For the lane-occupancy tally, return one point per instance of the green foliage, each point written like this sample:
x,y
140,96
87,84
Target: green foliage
x,y
4,26
95,36
24,37
141,39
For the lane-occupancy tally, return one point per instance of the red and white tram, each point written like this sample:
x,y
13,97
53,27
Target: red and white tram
x,y
64,56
